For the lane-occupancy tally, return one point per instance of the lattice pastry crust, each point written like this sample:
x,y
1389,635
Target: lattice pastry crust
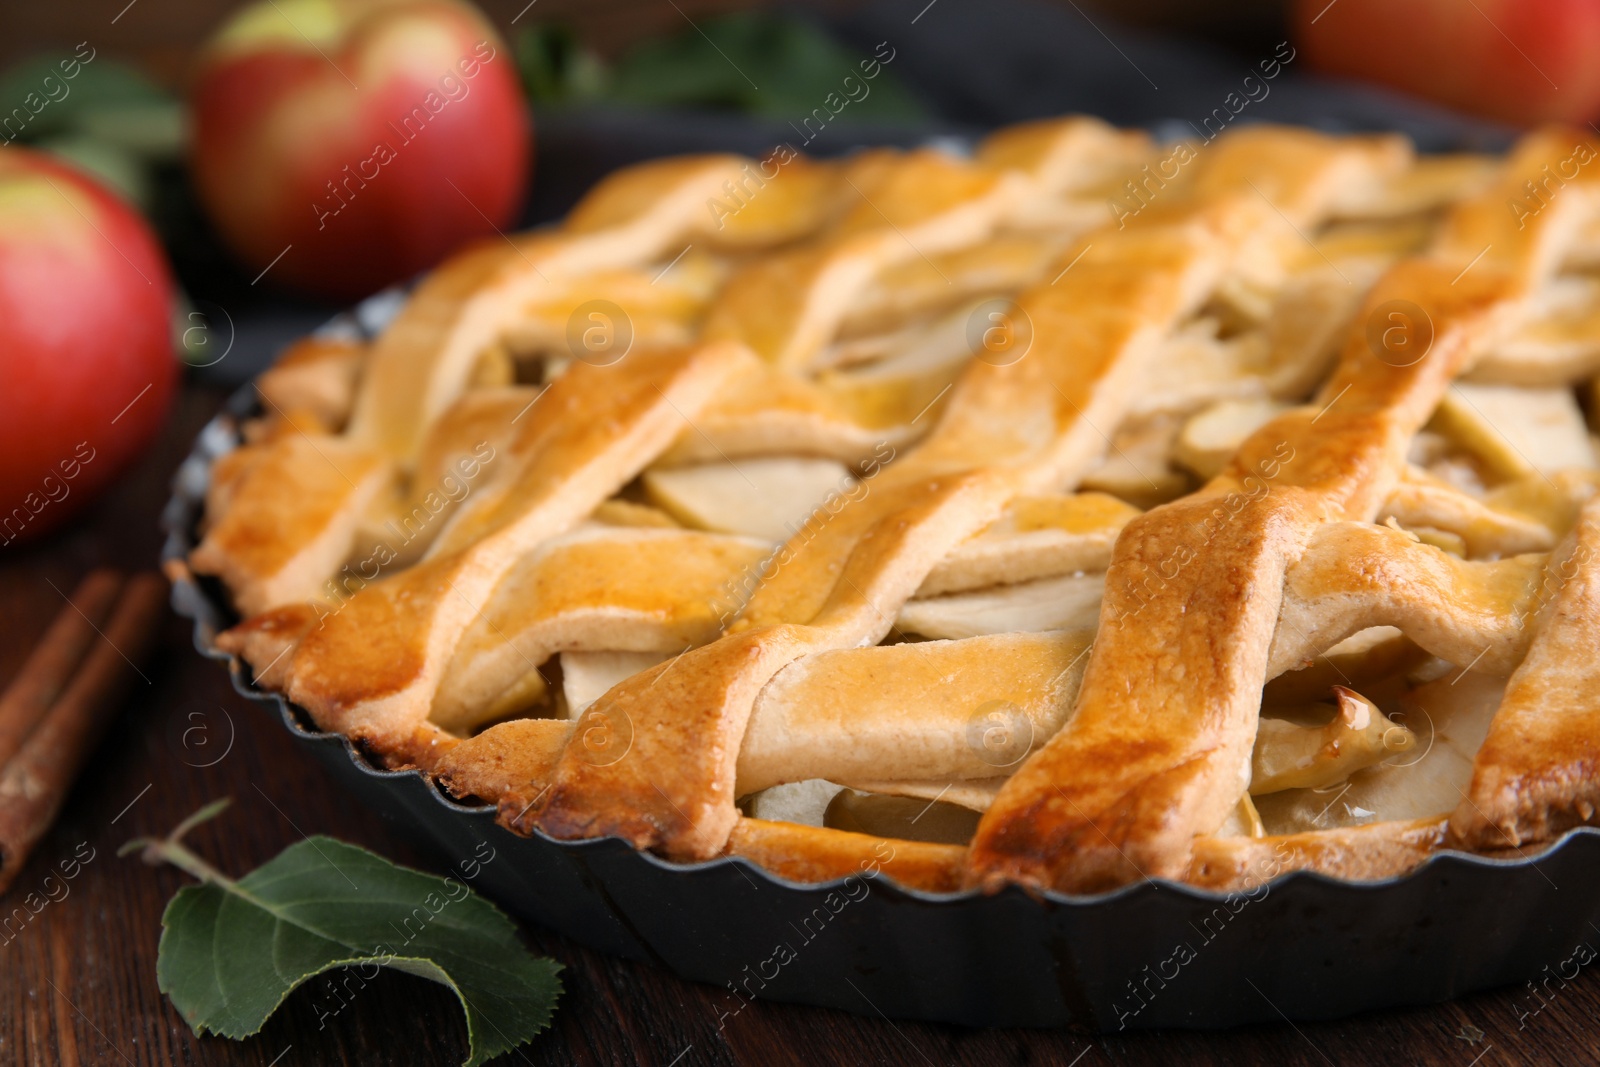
x,y
923,511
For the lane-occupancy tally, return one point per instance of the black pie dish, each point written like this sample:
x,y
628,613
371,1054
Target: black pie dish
x,y
1156,954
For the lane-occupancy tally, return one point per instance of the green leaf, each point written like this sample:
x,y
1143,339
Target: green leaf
x,y
59,104
556,68
154,130
232,951
118,170
758,62
763,63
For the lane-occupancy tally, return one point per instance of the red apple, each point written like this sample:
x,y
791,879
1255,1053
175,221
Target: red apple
x,y
86,361
367,137
1522,61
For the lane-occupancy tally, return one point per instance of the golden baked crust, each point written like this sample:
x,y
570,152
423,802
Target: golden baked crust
x,y
924,496
1538,771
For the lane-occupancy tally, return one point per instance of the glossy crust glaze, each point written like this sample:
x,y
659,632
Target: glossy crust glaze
x,y
523,540
1159,743
1538,771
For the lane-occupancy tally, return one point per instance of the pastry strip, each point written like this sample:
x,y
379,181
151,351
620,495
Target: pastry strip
x,y
1033,423
1158,750
1538,771
371,669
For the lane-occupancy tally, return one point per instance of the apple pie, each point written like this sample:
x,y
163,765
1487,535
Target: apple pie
x,y
1077,510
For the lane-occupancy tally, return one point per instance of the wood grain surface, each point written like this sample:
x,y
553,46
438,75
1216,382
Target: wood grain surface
x,y
78,980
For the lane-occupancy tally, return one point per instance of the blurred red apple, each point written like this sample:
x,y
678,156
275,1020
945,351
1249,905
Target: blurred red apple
x,y
367,137
1522,61
86,360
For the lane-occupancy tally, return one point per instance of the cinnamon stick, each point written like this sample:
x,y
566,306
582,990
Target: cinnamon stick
x,y
49,666
35,782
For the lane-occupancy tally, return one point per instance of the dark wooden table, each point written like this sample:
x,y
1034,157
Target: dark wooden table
x,y
79,979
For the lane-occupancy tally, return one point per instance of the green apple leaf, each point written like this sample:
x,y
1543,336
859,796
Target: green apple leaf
x,y
45,101
116,169
556,68
231,951
721,63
